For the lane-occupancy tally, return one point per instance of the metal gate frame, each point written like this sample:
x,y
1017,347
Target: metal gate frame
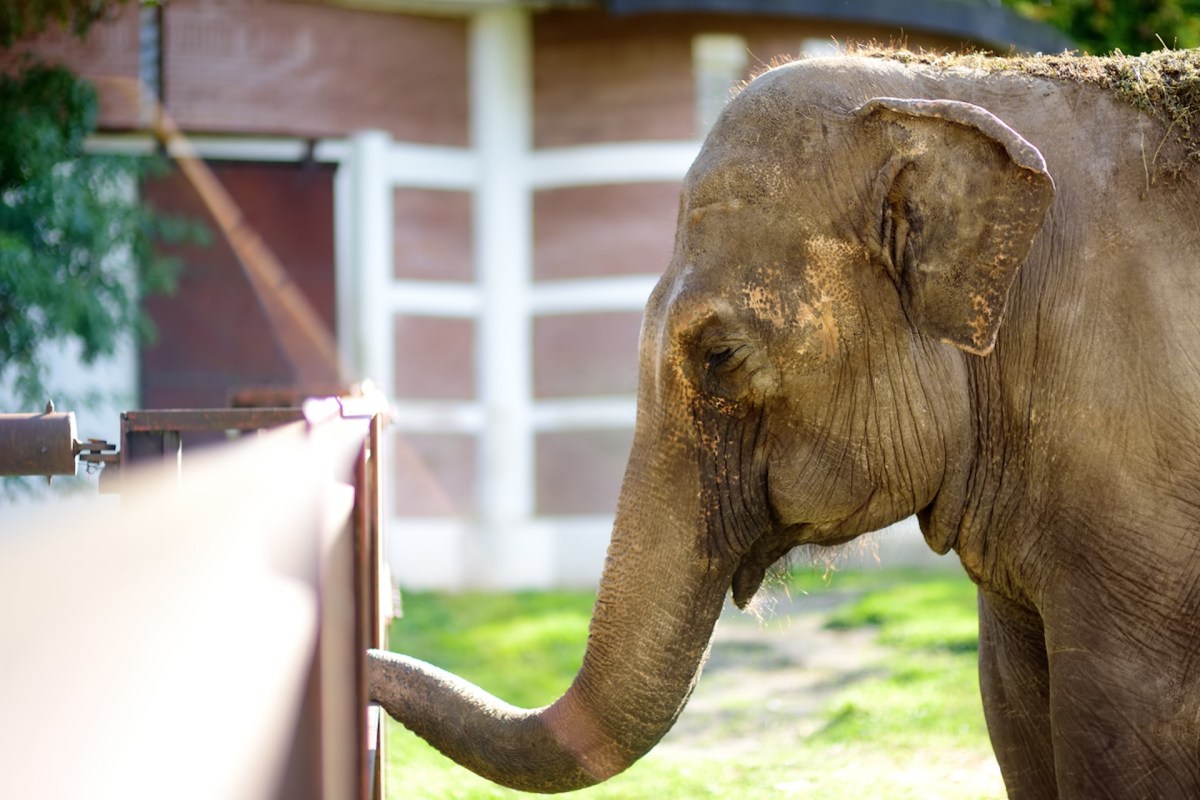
x,y
157,435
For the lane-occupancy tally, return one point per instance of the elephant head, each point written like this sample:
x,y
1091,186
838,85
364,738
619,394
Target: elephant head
x,y
802,380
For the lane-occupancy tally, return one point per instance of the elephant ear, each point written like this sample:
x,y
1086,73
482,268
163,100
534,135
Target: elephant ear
x,y
964,197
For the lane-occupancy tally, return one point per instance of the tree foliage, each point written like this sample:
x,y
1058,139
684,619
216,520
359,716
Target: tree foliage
x,y
21,18
1099,27
76,244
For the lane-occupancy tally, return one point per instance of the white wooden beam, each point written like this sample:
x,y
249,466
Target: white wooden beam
x,y
437,416
433,298
614,412
227,148
585,413
425,166
590,295
618,162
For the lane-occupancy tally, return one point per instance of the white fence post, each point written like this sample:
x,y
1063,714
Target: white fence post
x,y
501,122
372,231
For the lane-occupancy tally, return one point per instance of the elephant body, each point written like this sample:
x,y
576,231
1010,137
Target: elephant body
x,y
966,289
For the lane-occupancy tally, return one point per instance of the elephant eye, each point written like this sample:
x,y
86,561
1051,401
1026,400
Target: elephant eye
x,y
725,358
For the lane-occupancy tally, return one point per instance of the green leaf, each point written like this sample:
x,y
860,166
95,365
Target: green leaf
x,y
76,243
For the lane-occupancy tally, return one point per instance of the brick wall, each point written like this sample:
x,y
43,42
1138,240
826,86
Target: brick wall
x,y
432,237
599,78
282,68
603,230
285,68
311,70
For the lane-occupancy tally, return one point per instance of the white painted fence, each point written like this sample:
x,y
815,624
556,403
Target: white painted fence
x,y
505,544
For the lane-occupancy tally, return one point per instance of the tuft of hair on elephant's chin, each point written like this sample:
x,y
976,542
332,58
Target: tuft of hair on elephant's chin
x,y
826,558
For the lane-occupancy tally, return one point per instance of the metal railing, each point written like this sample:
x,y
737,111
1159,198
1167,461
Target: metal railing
x,y
204,634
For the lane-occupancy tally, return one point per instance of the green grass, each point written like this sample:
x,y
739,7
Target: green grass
x,y
911,726
930,693
524,647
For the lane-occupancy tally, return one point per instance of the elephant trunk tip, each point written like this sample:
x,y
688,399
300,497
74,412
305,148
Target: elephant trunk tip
x,y
558,748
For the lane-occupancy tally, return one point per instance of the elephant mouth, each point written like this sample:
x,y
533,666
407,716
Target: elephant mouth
x,y
766,550
752,569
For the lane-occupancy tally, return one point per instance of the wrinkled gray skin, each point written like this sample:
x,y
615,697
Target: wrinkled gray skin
x,y
976,310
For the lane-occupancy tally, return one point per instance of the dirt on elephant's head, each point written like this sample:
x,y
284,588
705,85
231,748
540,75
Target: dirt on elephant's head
x,y
1164,84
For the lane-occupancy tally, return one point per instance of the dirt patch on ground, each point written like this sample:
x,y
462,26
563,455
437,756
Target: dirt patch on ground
x,y
773,673
767,683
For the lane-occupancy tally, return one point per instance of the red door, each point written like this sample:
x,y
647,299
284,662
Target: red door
x,y
213,336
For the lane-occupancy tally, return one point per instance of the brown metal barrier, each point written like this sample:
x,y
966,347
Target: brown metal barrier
x,y
204,635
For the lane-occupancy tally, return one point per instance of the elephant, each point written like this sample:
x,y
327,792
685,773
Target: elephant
x,y
964,288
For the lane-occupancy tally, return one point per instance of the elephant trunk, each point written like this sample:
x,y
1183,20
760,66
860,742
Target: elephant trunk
x,y
657,605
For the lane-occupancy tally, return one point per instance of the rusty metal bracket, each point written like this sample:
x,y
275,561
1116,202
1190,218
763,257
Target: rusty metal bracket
x,y
98,453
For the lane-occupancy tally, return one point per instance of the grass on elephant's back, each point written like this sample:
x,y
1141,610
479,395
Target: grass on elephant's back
x,y
910,727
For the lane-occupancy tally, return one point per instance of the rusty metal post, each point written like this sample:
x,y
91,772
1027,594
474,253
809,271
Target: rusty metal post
x,y
37,444
372,622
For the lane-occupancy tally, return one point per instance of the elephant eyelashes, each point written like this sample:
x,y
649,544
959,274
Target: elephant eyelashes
x,y
725,359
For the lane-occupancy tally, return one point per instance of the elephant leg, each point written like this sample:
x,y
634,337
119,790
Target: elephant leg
x,y
1125,709
1015,683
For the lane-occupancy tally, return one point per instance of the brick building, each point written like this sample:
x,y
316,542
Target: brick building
x,y
477,196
